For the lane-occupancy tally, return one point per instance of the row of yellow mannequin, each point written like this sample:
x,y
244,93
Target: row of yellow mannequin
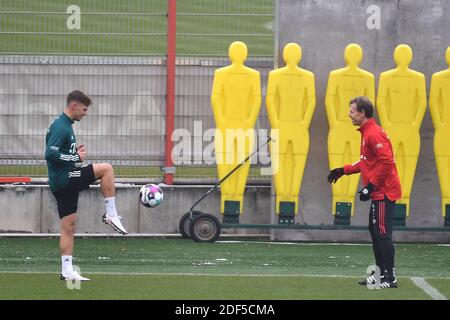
x,y
290,101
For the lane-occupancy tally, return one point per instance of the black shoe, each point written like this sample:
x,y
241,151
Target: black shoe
x,y
370,280
388,284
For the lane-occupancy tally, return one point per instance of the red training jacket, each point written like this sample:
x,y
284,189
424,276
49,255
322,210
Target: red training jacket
x,y
377,163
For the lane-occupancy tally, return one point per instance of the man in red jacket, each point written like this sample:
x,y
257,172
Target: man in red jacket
x,y
381,184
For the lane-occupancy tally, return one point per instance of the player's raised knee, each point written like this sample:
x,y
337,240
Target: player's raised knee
x,y
108,167
101,169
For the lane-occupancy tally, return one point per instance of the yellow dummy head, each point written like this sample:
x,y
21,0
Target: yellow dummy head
x,y
353,54
403,55
237,52
292,54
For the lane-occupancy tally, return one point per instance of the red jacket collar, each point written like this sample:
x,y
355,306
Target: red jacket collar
x,y
367,125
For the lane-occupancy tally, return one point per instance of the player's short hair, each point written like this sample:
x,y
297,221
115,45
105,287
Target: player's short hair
x,y
78,96
363,104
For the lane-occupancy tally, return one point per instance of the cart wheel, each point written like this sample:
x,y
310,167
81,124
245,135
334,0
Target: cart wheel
x,y
185,221
205,228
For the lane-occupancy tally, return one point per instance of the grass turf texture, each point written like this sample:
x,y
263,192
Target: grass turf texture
x,y
144,27
131,172
167,269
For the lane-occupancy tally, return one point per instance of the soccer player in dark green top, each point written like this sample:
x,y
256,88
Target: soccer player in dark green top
x,y
67,177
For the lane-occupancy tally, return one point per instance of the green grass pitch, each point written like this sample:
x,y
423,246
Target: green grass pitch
x,y
135,27
177,269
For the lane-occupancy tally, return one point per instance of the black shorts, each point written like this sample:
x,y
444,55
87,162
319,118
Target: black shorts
x,y
67,198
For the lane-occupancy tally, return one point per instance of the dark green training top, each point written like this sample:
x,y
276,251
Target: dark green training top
x,y
61,153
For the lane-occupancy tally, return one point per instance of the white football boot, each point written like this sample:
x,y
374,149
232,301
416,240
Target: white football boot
x,y
114,222
72,275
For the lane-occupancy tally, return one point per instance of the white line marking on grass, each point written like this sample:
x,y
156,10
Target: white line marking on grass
x,y
428,288
205,274
187,274
295,243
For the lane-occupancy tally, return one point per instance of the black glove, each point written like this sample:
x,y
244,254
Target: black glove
x,y
364,193
335,174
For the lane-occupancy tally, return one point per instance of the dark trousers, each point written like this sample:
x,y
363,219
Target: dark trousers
x,y
380,227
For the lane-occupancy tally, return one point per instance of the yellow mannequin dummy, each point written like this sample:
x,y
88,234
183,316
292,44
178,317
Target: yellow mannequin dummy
x,y
236,100
440,113
401,103
290,100
343,139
